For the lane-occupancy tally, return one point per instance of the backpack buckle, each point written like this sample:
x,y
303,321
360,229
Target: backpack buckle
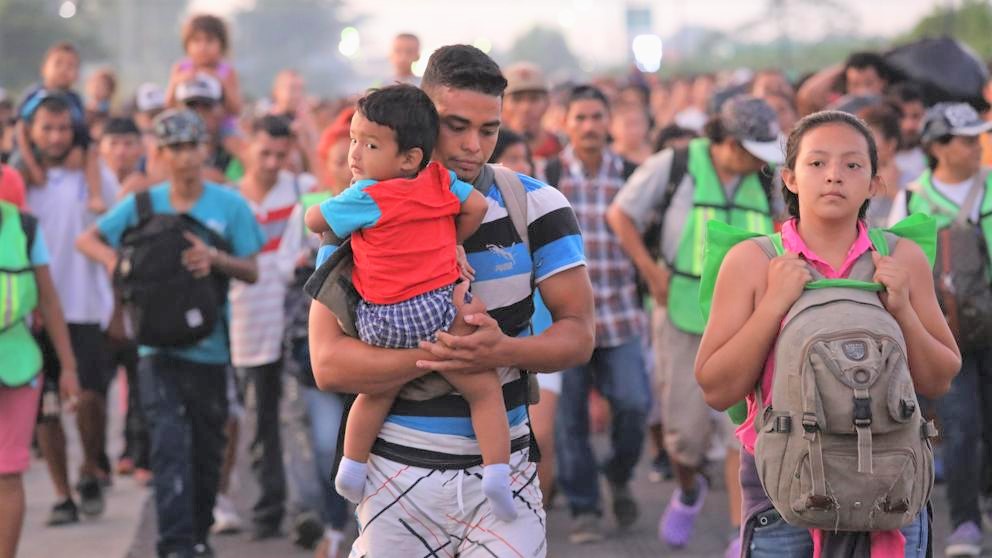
x,y
783,424
809,423
862,411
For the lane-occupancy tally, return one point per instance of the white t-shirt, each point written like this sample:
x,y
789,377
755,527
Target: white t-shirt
x,y
958,192
257,315
83,285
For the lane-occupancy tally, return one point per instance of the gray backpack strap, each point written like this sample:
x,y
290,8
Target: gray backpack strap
x,y
976,191
766,246
864,267
765,243
514,198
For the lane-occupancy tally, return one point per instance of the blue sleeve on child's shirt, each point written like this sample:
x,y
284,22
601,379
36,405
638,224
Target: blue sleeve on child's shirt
x,y
351,210
461,190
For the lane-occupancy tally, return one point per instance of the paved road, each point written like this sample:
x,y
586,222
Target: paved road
x,y
127,529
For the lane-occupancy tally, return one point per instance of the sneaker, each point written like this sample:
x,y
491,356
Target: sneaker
x,y
585,529
679,520
624,505
226,518
203,550
661,468
63,513
90,496
966,540
307,530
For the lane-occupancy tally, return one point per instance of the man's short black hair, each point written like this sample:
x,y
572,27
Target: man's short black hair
x,y
867,59
407,111
120,127
586,92
906,92
53,103
273,125
463,67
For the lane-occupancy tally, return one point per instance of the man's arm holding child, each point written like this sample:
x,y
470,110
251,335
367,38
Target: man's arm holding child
x,y
568,342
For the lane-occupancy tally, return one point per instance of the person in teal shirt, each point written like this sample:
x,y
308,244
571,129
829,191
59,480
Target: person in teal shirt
x,y
183,391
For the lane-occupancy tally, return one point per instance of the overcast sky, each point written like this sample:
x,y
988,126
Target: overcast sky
x,y
595,29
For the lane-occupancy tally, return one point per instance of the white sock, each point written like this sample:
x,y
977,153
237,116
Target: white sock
x,y
496,487
350,482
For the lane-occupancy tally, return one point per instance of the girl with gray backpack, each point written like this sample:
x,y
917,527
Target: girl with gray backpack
x,y
829,330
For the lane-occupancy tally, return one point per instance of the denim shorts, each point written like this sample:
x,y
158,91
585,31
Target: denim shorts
x,y
773,537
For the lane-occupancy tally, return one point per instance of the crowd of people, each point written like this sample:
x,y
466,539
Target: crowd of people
x,y
502,268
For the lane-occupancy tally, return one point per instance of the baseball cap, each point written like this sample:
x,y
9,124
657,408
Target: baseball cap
x,y
524,76
149,97
176,126
202,87
952,119
754,123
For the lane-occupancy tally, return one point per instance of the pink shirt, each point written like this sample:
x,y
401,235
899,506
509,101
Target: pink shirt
x,y
794,243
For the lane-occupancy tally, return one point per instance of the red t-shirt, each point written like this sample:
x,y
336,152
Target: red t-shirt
x,y
402,232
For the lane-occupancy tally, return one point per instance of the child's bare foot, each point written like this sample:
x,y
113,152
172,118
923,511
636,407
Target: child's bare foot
x,y
96,204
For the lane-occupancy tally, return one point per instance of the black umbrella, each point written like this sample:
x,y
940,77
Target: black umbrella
x,y
947,68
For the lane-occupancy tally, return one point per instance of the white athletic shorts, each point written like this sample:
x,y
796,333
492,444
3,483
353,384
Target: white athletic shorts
x,y
413,511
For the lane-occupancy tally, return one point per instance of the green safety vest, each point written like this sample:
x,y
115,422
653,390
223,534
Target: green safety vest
x,y
748,210
20,358
311,199
931,202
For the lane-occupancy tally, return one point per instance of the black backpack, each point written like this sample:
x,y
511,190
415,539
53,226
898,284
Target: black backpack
x,y
168,307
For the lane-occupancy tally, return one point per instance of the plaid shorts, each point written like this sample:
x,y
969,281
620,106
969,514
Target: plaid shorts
x,y
405,324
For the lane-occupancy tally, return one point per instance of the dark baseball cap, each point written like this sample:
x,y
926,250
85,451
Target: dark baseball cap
x,y
952,119
176,126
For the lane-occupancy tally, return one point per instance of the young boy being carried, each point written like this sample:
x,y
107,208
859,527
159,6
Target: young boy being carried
x,y
406,217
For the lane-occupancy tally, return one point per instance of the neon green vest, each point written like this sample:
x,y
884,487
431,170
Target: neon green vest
x,y
20,359
748,210
311,199
931,202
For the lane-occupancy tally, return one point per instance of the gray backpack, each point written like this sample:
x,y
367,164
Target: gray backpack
x,y
843,446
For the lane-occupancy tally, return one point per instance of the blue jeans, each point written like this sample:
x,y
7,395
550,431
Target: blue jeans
x,y
774,538
325,419
962,420
185,404
619,374
314,418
